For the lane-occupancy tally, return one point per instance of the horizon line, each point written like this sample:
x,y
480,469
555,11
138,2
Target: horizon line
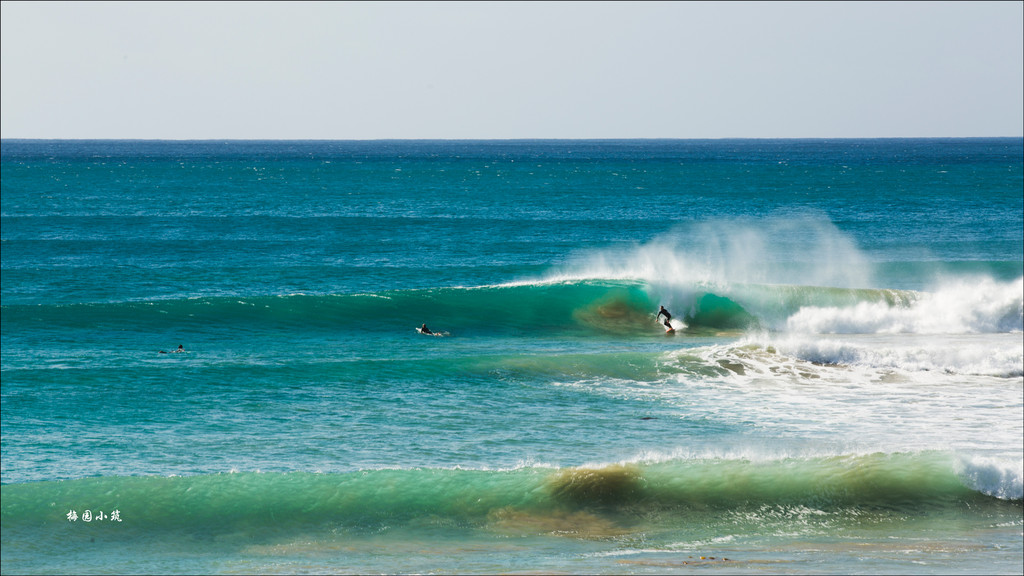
x,y
517,139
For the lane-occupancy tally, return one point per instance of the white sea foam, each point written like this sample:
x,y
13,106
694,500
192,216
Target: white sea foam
x,y
966,306
999,355
872,357
805,396
993,476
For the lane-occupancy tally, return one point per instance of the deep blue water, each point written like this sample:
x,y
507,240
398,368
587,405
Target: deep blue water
x,y
845,373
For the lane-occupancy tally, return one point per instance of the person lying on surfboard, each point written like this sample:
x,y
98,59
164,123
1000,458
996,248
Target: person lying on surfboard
x,y
425,330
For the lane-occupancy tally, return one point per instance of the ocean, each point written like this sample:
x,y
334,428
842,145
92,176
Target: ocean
x,y
211,363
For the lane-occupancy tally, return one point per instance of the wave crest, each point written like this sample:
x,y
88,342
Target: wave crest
x,y
371,497
624,307
965,307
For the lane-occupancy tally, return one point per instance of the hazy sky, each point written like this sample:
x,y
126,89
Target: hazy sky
x,y
323,70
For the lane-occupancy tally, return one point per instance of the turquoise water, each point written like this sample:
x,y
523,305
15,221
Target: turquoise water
x,y
843,392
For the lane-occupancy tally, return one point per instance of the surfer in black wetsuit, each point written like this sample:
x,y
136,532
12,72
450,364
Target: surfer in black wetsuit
x,y
668,317
425,330
665,312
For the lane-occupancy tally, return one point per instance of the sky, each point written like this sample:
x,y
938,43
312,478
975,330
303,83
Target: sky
x,y
497,70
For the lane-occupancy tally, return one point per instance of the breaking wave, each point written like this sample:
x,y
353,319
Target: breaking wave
x,y
371,498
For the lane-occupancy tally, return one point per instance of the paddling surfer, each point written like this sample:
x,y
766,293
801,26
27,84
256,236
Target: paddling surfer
x,y
425,330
